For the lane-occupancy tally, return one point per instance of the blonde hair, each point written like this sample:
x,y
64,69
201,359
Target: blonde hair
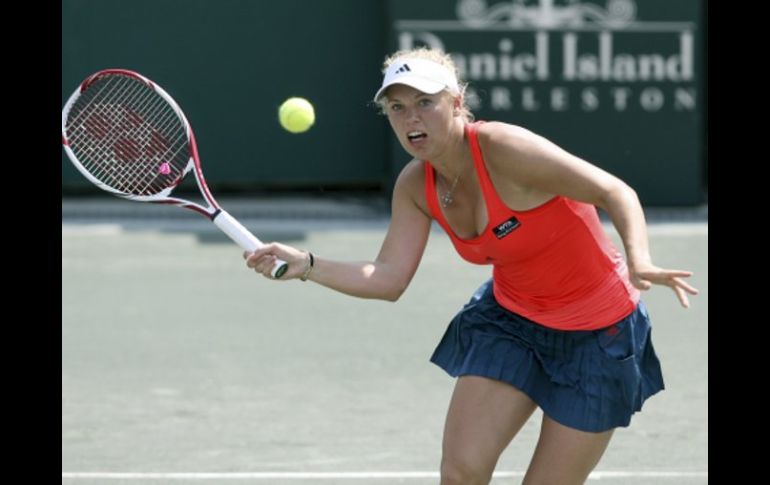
x,y
439,57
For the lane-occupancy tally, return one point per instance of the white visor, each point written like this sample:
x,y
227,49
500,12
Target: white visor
x,y
421,74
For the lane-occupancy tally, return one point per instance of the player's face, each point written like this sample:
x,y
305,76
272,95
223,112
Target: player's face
x,y
422,122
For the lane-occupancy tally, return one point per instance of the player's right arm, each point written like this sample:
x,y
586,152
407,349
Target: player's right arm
x,y
391,272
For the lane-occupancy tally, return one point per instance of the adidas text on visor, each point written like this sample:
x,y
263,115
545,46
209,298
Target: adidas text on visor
x,y
421,74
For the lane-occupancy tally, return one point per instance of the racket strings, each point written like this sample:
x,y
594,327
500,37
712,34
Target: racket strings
x,y
128,136
123,134
101,123
129,148
104,123
137,175
112,119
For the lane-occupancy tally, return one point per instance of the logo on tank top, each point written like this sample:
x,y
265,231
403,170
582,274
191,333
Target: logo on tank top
x,y
506,227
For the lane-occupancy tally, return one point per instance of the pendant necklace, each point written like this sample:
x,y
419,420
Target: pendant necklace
x,y
447,198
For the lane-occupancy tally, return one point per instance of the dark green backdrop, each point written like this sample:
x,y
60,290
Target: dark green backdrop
x,y
230,63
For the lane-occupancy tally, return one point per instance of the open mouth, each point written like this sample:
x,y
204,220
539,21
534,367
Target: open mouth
x,y
415,136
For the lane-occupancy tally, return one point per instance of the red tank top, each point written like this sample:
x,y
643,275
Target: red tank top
x,y
553,264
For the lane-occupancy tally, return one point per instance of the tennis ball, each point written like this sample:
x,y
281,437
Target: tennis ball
x,y
296,115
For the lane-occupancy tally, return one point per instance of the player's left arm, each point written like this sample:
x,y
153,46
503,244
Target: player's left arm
x,y
535,162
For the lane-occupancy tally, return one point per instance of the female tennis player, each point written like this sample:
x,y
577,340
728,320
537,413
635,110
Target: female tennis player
x,y
559,326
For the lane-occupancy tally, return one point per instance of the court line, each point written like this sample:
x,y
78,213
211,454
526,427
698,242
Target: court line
x,y
597,475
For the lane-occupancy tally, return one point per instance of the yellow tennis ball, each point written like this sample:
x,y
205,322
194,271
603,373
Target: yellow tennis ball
x,y
296,115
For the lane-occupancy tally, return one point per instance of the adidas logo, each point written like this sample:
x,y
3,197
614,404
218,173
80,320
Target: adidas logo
x,y
404,68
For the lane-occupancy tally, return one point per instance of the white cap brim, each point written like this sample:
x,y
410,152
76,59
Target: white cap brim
x,y
421,74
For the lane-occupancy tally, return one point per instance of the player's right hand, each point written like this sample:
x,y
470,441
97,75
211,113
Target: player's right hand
x,y
263,259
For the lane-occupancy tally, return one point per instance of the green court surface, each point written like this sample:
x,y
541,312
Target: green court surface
x,y
179,365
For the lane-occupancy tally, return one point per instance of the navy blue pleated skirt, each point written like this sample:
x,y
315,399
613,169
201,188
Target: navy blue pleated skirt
x,y
590,380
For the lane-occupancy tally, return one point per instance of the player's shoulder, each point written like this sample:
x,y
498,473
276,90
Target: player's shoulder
x,y
505,144
495,132
412,175
411,183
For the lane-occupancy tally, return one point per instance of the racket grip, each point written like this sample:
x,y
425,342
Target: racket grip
x,y
245,239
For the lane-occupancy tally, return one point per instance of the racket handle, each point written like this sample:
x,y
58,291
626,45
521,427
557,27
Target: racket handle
x,y
245,239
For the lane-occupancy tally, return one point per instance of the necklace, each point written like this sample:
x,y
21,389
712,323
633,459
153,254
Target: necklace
x,y
447,198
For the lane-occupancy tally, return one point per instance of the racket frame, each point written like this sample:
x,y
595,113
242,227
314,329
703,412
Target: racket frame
x,y
221,218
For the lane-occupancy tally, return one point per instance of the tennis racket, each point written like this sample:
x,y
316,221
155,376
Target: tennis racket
x,y
128,136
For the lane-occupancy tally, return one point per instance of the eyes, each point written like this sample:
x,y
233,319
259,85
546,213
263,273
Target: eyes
x,y
422,103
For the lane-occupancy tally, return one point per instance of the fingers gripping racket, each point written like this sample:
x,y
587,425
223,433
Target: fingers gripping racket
x,y
130,138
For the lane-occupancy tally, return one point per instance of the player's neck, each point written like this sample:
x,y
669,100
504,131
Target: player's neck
x,y
456,158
